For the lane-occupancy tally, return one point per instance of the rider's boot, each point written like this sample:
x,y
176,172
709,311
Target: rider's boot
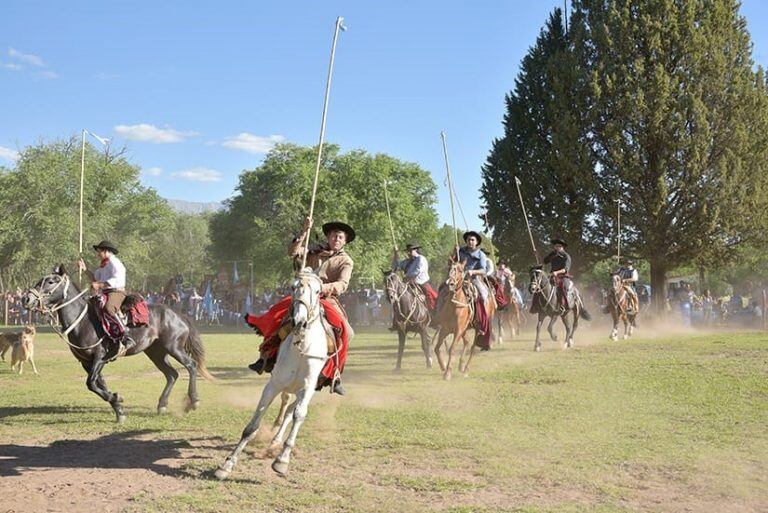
x,y
338,388
258,366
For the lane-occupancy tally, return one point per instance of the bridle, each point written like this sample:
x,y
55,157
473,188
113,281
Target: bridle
x,y
394,298
314,309
39,296
536,288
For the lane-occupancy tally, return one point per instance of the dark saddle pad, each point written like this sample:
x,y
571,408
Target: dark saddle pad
x,y
136,310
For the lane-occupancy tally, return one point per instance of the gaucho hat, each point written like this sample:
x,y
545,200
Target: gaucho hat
x,y
339,226
472,233
411,246
105,244
558,241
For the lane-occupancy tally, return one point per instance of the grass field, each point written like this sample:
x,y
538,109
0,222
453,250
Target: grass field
x,y
676,423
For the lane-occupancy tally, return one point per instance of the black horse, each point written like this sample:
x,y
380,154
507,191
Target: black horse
x,y
168,334
545,303
409,313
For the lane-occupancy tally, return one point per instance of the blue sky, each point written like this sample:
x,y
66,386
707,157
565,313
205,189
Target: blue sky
x,y
197,92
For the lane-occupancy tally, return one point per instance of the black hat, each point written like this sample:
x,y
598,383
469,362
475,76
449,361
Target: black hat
x,y
628,261
558,241
477,236
105,244
411,246
339,226
501,262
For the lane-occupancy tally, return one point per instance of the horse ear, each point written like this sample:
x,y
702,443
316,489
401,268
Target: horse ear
x,y
59,269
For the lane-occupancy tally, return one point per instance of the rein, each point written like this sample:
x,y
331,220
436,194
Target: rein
x,y
49,312
395,298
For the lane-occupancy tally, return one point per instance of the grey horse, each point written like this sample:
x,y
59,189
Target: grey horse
x,y
544,302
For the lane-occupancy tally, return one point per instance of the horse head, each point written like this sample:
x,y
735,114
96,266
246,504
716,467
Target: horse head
x,y
455,278
616,283
51,290
305,306
538,279
393,283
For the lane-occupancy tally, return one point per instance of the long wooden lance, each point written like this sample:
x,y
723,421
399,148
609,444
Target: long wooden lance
x,y
618,230
389,216
450,192
527,224
339,26
487,224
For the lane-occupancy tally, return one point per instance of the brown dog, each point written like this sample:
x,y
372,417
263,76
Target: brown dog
x,y
22,345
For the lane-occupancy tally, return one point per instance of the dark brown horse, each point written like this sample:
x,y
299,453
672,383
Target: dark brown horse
x,y
509,317
168,334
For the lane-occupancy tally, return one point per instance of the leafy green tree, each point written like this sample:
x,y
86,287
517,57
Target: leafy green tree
x,y
678,120
271,201
545,144
40,202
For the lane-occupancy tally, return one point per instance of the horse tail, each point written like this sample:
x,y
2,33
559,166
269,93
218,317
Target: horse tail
x,y
195,349
584,314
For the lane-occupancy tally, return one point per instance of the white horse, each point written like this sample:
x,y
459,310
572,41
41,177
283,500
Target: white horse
x,y
300,360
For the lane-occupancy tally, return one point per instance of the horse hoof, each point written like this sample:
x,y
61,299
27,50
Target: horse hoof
x,y
191,406
429,363
120,419
626,337
554,338
447,376
537,349
397,370
222,474
280,468
162,410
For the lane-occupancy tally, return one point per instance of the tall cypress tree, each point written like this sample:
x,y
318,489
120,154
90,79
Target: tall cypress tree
x,y
678,123
545,145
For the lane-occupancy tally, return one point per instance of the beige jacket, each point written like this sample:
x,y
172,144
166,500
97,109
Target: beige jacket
x,y
333,268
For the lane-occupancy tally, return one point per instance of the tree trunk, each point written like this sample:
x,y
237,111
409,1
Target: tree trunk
x,y
702,280
659,288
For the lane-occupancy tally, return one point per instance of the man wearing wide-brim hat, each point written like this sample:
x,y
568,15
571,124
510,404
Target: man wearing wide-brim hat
x,y
109,278
334,267
416,269
629,278
476,266
559,268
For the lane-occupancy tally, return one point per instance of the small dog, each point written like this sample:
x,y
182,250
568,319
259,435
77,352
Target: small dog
x,y
22,345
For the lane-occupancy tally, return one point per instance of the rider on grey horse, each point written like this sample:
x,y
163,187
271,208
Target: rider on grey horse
x,y
560,267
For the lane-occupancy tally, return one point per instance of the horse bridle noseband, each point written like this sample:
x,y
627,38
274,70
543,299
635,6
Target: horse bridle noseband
x,y
40,296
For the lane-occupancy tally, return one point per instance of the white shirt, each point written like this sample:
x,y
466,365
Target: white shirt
x,y
113,274
490,269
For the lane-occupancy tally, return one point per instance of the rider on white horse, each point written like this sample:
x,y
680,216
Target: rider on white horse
x,y
334,267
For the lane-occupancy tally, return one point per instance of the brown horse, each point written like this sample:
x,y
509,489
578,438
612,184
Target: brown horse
x,y
618,306
455,314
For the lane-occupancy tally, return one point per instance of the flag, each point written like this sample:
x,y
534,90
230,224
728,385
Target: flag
x,y
235,276
103,140
208,299
248,303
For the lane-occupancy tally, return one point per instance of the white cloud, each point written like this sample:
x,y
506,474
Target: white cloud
x,y
198,174
105,76
12,66
152,171
26,58
150,133
9,154
252,143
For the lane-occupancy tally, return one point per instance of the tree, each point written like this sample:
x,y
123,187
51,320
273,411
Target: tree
x,y
40,200
271,201
545,145
678,122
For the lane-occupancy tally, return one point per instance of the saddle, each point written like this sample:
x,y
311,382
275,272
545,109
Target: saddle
x,y
134,312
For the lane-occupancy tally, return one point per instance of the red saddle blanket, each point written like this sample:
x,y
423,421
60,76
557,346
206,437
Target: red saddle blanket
x,y
136,310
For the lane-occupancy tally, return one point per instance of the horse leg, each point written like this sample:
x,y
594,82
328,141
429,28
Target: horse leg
x,y
550,327
180,355
472,353
537,345
284,398
400,348
464,346
160,358
438,348
98,385
499,337
626,327
456,337
575,325
615,331
425,346
285,419
568,330
303,397
267,396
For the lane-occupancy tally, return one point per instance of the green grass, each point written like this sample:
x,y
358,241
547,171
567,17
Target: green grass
x,y
644,425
